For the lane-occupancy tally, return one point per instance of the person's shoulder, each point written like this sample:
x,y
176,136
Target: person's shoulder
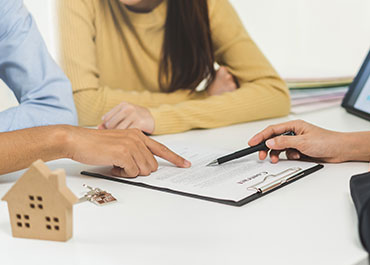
x,y
79,6
6,5
10,11
217,6
78,3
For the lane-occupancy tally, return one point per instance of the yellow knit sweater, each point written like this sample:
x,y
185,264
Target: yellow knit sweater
x,y
112,54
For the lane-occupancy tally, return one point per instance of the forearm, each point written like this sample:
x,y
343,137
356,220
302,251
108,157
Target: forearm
x,y
19,149
254,101
356,146
92,104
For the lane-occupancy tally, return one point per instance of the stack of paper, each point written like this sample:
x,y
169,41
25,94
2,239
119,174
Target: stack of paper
x,y
304,83
315,94
316,99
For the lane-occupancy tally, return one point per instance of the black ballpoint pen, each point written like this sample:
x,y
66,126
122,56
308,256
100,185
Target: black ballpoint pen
x,y
250,150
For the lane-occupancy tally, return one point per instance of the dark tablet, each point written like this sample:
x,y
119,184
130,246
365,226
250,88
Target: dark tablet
x,y
357,99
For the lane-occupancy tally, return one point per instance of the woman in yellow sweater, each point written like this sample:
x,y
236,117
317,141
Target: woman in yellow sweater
x,y
137,64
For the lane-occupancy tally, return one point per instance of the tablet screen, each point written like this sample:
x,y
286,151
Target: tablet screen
x,y
363,100
357,99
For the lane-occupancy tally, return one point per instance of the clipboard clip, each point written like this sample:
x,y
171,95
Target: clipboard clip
x,y
282,177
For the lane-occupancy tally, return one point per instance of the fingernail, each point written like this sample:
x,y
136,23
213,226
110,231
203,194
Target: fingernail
x,y
103,118
187,163
270,143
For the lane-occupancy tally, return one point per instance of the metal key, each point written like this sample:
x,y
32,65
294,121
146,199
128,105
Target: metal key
x,y
97,196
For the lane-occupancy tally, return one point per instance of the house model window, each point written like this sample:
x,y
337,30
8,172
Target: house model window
x,y
40,204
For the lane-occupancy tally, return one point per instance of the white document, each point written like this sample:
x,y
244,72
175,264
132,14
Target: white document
x,y
233,181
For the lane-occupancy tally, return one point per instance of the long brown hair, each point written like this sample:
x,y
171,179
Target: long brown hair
x,y
187,53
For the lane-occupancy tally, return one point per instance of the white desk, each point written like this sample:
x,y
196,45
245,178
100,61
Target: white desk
x,y
311,221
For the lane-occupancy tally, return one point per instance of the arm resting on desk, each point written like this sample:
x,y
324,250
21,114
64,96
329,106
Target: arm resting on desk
x,y
19,149
129,151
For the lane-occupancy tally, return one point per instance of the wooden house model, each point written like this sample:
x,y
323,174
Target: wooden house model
x,y
40,204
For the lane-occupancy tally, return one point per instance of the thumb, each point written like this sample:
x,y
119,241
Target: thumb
x,y
284,142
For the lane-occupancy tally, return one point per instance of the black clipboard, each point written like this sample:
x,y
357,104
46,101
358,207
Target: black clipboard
x,y
261,193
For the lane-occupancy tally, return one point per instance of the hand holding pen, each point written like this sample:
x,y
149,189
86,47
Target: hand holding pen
x,y
247,151
311,142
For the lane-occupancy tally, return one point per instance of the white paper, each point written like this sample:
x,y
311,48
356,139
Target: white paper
x,y
231,181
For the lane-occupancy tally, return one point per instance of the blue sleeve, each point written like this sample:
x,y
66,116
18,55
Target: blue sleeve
x,y
41,88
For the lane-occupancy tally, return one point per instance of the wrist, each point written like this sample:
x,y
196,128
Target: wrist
x,y
356,146
62,141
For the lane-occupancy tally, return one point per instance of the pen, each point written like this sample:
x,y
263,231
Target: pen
x,y
250,150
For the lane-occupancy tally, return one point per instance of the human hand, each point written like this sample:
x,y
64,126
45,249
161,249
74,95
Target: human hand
x,y
224,82
310,141
128,116
130,152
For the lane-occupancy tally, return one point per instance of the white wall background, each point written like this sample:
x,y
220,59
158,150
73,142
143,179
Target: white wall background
x,y
310,38
44,11
302,38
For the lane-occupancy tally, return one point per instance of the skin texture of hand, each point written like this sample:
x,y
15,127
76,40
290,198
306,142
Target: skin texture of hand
x,y
129,116
313,142
129,152
224,82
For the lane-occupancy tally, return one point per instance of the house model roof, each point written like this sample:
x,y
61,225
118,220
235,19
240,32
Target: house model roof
x,y
39,174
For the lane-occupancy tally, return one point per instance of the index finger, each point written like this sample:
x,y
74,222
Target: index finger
x,y
165,153
272,131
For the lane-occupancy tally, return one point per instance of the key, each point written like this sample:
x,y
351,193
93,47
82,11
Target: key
x,y
97,196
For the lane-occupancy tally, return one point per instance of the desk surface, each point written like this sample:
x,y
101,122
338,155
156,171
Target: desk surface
x,y
311,221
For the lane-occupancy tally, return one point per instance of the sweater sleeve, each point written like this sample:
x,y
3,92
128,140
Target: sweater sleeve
x,y
262,93
78,58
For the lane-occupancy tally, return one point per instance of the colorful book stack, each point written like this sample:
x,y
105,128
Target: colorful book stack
x,y
315,94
